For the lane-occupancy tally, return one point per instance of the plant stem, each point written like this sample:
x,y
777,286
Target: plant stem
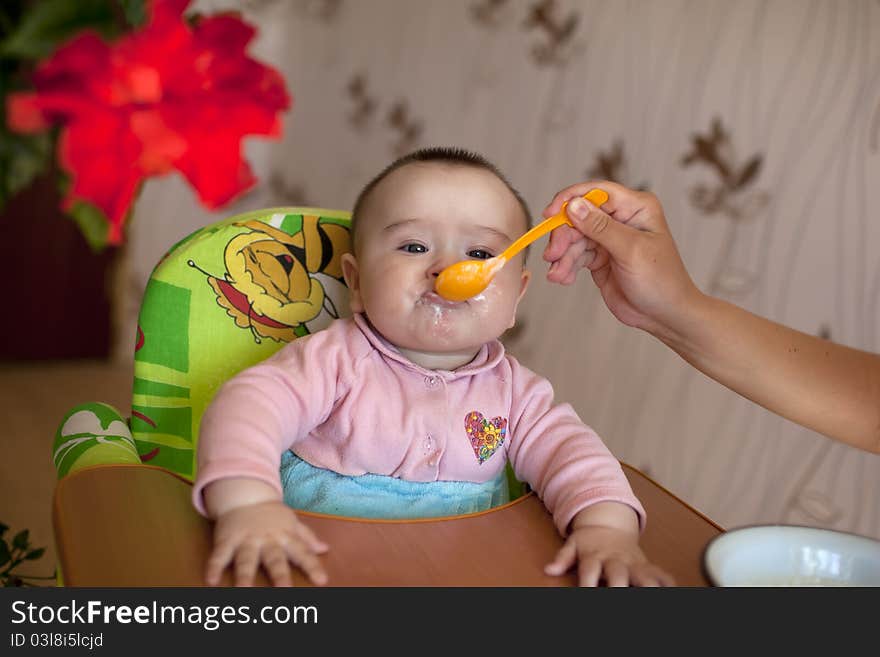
x,y
9,568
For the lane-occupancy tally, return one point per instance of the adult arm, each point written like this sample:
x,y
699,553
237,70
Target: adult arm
x,y
628,248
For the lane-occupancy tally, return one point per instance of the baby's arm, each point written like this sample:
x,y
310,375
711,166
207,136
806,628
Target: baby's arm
x,y
254,526
581,483
243,432
252,420
604,543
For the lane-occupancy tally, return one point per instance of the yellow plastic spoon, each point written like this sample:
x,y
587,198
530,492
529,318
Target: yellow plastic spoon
x,y
465,279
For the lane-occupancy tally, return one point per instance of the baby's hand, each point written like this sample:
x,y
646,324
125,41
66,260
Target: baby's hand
x,y
612,555
267,533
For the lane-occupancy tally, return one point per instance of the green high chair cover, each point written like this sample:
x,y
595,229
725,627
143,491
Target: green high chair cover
x,y
222,299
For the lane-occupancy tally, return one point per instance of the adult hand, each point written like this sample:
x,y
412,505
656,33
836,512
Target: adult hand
x,y
627,246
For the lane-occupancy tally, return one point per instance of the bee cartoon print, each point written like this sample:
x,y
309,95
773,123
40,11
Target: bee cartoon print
x,y
269,285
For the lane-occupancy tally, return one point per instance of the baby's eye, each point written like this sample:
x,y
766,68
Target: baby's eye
x,y
479,254
414,247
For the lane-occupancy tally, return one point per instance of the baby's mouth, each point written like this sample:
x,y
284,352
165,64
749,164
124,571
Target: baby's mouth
x,y
431,298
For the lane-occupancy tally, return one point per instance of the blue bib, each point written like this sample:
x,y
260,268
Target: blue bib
x,y
310,488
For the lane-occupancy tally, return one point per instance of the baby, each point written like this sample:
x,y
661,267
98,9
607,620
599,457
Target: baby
x,y
410,408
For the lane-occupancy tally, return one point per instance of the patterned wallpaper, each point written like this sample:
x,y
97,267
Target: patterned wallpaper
x,y
756,122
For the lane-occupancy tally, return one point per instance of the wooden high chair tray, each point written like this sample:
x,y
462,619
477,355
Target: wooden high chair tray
x,y
134,526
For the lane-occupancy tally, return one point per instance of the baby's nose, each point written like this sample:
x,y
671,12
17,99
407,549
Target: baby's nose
x,y
439,264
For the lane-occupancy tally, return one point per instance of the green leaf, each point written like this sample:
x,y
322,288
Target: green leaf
x,y
3,528
49,22
21,540
34,554
135,12
93,223
24,157
5,556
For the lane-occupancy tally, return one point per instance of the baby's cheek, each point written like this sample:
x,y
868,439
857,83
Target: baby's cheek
x,y
494,303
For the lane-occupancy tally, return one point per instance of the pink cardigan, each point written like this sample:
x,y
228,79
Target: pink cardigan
x,y
345,399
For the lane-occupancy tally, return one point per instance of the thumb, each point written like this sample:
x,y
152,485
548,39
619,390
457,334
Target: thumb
x,y
600,227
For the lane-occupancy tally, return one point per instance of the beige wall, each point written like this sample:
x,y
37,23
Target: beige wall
x,y
546,88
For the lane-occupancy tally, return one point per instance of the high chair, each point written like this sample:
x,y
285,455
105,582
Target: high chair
x,y
227,296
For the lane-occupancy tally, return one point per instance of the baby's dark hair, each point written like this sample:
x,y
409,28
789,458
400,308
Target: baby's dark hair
x,y
448,154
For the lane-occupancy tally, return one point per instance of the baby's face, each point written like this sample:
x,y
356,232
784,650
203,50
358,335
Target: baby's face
x,y
420,219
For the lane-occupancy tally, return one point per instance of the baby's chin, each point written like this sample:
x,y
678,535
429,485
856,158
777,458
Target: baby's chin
x,y
439,328
433,336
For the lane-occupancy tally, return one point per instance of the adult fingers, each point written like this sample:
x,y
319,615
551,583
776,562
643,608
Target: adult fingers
x,y
561,240
579,189
600,275
565,269
617,238
638,209
600,259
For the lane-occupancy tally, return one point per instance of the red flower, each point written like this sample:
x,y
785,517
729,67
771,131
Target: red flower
x,y
169,96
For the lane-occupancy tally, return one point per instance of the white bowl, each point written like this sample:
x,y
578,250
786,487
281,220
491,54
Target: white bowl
x,y
790,555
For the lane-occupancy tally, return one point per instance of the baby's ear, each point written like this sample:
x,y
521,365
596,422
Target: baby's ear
x,y
524,284
351,274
